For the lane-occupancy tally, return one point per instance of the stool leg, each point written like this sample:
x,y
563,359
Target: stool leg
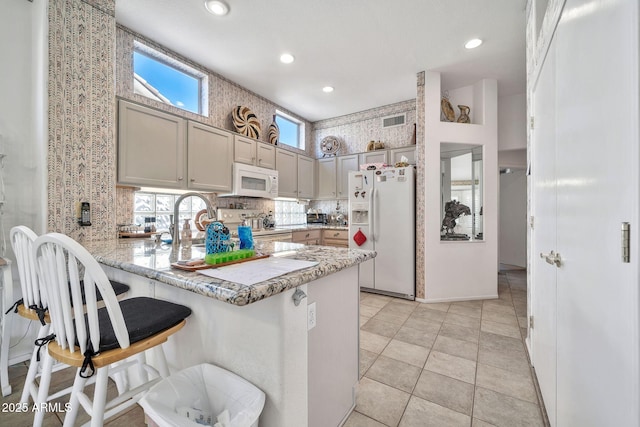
x,y
100,397
29,382
43,390
78,387
7,290
161,361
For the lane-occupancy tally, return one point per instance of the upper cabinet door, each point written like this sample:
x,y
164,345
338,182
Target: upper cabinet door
x,y
378,156
244,150
395,155
266,155
287,166
306,177
346,164
151,146
210,158
327,178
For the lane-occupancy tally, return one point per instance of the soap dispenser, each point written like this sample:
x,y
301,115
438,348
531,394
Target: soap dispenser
x,y
186,234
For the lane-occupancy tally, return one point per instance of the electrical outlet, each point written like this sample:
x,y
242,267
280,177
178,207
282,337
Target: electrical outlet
x,y
311,316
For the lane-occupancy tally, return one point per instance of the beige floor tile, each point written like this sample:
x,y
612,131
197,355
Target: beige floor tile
x,y
373,342
500,342
510,383
398,308
512,331
423,312
363,320
397,318
380,327
366,360
469,311
499,306
505,411
422,413
469,303
368,311
409,353
479,423
459,332
456,347
374,301
394,373
422,324
440,306
460,320
356,419
445,391
133,417
514,361
522,321
379,401
417,337
452,366
498,317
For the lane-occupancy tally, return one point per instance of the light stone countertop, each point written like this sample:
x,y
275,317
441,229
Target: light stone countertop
x,y
152,260
304,227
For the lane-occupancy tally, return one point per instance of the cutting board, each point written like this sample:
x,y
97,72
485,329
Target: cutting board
x,y
222,264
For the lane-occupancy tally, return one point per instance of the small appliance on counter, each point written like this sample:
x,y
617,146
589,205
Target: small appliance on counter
x,y
316,218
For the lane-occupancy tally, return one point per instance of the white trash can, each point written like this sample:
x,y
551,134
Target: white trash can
x,y
203,394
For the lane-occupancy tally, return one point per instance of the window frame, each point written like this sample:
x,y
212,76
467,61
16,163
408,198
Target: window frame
x,y
301,143
183,214
181,67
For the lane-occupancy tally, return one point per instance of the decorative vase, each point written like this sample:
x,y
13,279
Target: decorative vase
x,y
274,132
464,114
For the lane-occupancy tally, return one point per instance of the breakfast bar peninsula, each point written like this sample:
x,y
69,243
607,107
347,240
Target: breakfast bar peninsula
x,y
295,336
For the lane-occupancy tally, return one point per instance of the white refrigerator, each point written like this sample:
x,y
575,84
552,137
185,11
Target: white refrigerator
x,y
382,218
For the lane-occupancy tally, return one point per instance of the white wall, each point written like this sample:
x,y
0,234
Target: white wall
x,y
512,122
23,41
513,218
460,270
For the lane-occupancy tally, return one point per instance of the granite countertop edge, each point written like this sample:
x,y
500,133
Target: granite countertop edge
x,y
330,260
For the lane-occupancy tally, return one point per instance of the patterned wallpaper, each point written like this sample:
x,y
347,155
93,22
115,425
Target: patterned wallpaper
x,y
81,152
356,130
420,187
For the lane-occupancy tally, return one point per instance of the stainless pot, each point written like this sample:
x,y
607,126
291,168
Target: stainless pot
x,y
256,224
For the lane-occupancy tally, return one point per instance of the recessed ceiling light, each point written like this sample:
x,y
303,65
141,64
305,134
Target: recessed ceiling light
x,y
473,43
217,7
287,58
327,89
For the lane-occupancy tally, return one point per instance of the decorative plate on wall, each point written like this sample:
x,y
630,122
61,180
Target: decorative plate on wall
x,y
246,122
330,145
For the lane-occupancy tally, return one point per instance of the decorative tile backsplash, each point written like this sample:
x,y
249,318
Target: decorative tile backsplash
x,y
420,187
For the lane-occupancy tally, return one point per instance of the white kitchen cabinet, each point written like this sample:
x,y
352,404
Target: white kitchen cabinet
x,y
306,177
266,155
151,147
210,157
244,150
327,169
287,167
338,238
307,237
378,156
395,154
345,164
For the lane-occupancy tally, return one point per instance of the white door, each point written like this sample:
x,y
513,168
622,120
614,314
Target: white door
x,y
543,303
594,63
597,173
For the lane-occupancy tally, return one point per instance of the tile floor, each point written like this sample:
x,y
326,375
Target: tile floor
x,y
458,364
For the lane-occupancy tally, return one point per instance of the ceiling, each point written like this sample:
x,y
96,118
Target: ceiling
x,y
368,50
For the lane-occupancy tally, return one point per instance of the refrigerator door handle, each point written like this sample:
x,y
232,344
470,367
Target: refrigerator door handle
x,y
371,219
374,194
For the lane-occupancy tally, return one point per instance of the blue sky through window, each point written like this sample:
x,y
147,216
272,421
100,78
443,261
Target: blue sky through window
x,y
181,89
288,131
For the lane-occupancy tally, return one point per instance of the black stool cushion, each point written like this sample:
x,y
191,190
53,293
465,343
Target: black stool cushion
x,y
144,318
118,288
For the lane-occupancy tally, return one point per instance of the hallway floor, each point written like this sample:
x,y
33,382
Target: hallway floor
x,y
446,364
458,364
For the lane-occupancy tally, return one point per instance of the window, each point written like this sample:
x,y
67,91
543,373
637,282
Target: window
x,y
291,130
160,206
290,213
166,80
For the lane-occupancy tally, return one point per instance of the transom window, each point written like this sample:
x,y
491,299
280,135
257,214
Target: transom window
x,y
166,80
291,130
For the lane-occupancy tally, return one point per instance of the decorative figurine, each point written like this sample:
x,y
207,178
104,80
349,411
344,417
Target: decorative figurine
x,y
452,211
464,114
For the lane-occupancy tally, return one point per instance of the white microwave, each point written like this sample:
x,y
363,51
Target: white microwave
x,y
253,181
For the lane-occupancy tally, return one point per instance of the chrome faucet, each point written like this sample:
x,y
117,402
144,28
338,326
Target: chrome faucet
x,y
176,211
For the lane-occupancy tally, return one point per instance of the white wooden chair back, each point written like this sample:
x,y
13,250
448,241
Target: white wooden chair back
x,y
22,239
60,260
